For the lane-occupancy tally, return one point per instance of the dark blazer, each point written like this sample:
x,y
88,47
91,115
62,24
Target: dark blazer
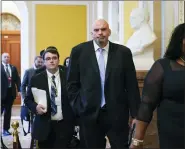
x,y
121,86
26,80
41,124
4,82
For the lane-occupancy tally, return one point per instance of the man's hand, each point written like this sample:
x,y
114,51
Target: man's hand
x,y
40,109
131,122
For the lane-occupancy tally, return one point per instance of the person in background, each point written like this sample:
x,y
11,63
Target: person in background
x,y
164,89
103,89
43,67
11,84
38,63
66,61
53,126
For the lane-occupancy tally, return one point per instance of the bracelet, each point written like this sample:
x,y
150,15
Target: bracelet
x,y
137,142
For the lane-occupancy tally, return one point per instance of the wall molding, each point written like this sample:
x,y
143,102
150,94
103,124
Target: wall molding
x,y
181,12
25,50
85,3
10,7
121,22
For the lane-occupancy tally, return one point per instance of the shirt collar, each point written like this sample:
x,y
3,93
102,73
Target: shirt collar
x,y
4,64
96,47
34,67
50,74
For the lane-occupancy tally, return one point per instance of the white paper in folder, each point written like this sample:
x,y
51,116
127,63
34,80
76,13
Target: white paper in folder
x,y
39,96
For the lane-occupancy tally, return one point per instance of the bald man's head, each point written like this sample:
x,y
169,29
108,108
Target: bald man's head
x,y
100,21
100,32
6,58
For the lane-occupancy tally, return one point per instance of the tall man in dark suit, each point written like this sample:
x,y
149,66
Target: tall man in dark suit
x,y
103,89
9,81
52,127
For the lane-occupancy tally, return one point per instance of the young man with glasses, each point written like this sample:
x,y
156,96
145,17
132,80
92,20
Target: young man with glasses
x,y
53,127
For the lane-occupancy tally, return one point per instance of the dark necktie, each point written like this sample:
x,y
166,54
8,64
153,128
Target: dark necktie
x,y
8,75
7,71
53,95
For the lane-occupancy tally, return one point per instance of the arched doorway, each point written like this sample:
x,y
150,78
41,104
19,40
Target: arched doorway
x,y
10,38
20,10
10,41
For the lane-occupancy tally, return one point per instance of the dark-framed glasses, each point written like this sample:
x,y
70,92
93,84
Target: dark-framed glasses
x,y
51,58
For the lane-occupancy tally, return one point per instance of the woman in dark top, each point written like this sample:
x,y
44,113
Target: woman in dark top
x,y
164,89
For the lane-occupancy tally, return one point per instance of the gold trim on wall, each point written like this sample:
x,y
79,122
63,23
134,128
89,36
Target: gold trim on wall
x,y
157,29
8,13
181,11
9,32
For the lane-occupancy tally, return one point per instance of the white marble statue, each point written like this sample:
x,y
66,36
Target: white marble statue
x,y
141,40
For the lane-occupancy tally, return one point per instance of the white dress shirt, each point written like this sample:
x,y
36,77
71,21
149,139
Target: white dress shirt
x,y
58,116
9,68
105,52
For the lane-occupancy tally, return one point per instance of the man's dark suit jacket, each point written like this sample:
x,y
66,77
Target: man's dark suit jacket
x,y
4,82
121,87
26,80
41,125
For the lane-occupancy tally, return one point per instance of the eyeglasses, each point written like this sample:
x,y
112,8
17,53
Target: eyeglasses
x,y
51,58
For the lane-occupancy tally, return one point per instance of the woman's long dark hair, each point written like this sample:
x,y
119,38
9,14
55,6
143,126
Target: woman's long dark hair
x,y
174,49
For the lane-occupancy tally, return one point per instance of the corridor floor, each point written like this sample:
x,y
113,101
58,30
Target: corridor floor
x,y
151,138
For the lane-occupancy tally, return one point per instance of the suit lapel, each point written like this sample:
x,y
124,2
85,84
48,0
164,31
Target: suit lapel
x,y
62,83
45,84
109,60
11,67
93,58
3,70
32,71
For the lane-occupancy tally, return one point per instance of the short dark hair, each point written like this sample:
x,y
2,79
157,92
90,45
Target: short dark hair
x,y
36,57
51,49
65,60
42,52
174,49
